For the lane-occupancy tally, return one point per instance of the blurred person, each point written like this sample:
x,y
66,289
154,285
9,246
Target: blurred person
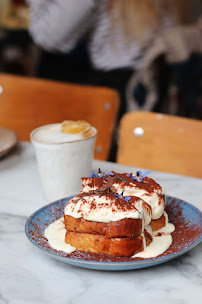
x,y
103,42
181,48
15,41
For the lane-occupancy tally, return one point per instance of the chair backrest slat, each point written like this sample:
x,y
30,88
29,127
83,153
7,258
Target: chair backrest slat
x,y
169,143
27,103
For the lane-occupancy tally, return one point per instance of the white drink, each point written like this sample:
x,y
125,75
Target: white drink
x,y
62,159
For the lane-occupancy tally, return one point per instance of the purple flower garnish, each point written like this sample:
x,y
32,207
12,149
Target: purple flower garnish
x,y
109,173
100,174
118,195
93,174
139,176
127,198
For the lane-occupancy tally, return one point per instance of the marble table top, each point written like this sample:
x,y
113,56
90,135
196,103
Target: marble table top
x,y
29,276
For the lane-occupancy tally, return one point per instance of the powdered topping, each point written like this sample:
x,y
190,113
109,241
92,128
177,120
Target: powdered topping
x,y
92,183
148,190
125,179
93,206
147,184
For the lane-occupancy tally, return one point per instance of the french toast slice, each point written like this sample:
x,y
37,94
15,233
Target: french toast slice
x,y
95,243
118,247
127,227
159,223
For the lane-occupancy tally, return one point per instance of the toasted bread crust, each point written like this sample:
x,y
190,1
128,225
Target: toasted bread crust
x,y
127,227
148,237
159,223
119,247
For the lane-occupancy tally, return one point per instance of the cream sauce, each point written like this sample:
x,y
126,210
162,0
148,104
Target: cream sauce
x,y
162,240
55,234
158,246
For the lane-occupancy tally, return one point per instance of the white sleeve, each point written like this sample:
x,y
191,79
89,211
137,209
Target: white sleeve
x,y
59,24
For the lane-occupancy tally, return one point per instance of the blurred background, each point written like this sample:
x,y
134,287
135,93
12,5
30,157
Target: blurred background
x,y
179,84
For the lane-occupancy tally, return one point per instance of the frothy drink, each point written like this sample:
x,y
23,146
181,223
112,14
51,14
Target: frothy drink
x,y
63,158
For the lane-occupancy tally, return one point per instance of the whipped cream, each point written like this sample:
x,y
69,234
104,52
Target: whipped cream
x,y
153,199
104,209
149,191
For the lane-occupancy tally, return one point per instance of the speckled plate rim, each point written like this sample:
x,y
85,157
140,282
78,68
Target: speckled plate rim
x,y
123,265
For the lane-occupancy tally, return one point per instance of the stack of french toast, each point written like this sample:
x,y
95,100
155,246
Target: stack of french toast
x,y
115,213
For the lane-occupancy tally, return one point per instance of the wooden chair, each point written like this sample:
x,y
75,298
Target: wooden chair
x,y
27,103
161,142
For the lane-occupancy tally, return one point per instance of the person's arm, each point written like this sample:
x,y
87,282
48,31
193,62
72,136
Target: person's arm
x,y
57,25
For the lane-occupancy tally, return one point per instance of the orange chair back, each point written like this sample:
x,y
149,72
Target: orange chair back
x,y
170,144
27,103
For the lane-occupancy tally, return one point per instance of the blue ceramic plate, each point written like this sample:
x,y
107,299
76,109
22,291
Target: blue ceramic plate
x,y
188,233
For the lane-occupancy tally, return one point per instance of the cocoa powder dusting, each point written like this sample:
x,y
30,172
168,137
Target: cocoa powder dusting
x,y
185,233
110,200
147,184
122,179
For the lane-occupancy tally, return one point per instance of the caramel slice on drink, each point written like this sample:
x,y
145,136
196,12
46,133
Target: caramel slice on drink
x,y
75,127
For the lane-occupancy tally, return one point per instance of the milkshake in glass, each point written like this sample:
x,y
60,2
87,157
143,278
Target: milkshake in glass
x,y
63,155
